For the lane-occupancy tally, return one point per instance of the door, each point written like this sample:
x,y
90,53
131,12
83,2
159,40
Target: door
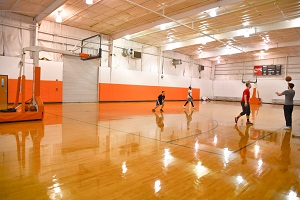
x,y
80,79
3,91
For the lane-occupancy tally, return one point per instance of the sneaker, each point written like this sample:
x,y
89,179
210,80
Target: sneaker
x,y
249,123
236,119
184,107
287,128
161,110
153,110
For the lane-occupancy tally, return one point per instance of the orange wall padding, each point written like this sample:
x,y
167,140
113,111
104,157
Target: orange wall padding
x,y
120,92
51,91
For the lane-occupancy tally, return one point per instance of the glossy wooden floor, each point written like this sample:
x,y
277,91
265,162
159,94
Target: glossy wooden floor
x,y
124,151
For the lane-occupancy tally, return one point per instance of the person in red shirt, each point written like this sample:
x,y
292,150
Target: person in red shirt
x,y
245,104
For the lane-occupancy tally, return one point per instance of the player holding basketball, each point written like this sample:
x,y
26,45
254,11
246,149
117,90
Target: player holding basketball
x,y
288,105
189,98
160,102
245,104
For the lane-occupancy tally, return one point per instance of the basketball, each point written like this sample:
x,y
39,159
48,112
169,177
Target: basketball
x,y
32,108
288,78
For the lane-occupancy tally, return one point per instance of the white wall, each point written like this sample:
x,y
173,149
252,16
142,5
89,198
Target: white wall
x,y
228,78
266,88
50,70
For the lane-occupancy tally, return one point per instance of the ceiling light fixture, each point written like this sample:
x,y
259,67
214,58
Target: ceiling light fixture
x,y
171,38
127,37
246,33
218,59
266,47
261,55
89,2
246,23
58,18
163,27
213,13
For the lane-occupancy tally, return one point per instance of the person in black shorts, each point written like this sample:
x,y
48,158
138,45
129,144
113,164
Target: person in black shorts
x,y
160,102
245,104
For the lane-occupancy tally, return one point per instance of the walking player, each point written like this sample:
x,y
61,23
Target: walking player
x,y
245,104
189,98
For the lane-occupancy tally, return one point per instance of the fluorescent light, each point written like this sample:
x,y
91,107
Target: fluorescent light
x,y
127,37
248,31
58,18
89,2
163,27
266,47
212,13
246,24
261,56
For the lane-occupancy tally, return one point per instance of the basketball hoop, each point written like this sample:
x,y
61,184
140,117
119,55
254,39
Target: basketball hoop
x,y
249,78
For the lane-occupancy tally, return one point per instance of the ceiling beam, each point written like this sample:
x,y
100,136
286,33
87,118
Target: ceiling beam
x,y
56,4
174,17
226,51
295,23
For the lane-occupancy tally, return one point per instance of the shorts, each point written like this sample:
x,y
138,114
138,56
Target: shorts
x,y
158,103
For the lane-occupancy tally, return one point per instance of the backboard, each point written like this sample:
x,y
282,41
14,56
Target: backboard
x,y
91,47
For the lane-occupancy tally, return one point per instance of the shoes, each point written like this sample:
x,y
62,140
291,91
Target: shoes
x,y
184,107
153,110
161,110
287,128
296,135
249,123
236,119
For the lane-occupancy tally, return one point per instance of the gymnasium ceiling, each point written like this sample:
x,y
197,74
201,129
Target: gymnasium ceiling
x,y
183,26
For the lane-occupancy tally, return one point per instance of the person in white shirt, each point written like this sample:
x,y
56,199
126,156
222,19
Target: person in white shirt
x,y
189,98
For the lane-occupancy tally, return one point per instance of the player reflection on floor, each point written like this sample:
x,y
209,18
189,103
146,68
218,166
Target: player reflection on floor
x,y
284,158
160,121
188,119
243,142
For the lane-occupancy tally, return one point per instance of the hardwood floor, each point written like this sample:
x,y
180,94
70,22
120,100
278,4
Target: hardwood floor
x,y
125,151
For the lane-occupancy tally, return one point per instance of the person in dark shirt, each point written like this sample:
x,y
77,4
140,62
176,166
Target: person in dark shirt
x,y
288,105
245,104
160,102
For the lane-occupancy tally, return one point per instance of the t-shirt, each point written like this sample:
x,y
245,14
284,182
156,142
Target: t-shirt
x,y
289,96
247,93
189,94
161,97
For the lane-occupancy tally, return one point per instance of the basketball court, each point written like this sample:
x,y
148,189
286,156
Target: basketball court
x,y
79,108
118,151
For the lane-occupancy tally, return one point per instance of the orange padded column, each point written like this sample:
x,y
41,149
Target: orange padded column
x,y
23,92
17,92
37,88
